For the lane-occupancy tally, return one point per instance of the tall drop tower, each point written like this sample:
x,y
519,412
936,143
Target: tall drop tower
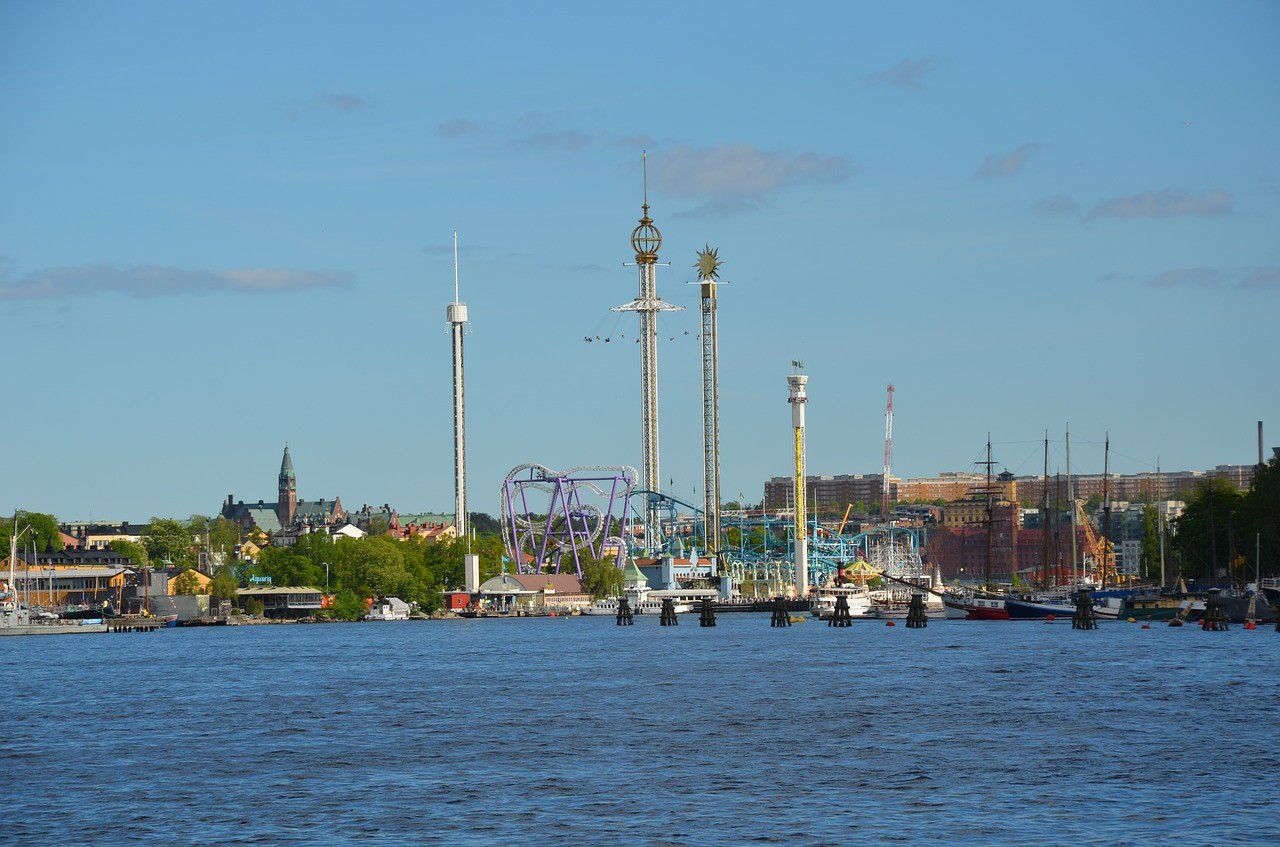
x,y
798,399
457,317
645,240
708,275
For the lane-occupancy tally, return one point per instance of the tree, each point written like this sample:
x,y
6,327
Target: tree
x,y
135,550
602,577
1150,562
168,541
485,524
1203,532
1263,508
44,532
187,583
223,586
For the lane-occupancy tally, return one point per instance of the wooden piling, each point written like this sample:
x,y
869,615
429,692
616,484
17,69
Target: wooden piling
x,y
1215,614
708,614
916,618
1084,618
668,613
841,616
780,617
624,613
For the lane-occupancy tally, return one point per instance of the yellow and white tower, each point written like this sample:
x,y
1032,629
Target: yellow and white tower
x,y
797,382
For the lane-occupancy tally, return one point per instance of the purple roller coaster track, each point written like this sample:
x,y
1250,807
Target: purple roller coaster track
x,y
552,520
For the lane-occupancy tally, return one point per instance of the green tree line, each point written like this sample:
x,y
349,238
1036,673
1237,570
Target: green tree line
x,y
1218,535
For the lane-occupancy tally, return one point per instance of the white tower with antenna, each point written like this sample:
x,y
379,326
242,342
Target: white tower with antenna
x,y
457,317
645,240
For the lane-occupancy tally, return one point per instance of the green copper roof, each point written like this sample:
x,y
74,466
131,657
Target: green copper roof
x,y
286,466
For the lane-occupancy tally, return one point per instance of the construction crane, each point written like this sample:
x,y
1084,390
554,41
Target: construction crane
x,y
888,455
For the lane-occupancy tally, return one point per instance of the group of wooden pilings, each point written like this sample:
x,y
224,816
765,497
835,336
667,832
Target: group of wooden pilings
x,y
132,623
1215,614
1085,617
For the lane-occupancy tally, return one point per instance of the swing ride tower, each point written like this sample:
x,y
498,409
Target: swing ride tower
x,y
645,240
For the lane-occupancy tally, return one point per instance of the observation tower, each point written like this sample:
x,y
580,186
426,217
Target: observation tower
x,y
645,240
456,313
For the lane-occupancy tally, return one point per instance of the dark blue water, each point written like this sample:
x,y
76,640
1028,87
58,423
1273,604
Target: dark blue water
x,y
576,731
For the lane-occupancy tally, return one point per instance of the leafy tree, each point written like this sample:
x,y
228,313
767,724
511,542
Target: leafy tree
x,y
44,532
347,606
288,566
485,524
169,541
187,583
253,606
1263,509
602,577
223,586
731,506
1150,561
1204,530
135,550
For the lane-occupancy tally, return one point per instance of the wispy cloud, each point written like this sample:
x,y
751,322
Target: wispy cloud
x,y
1165,203
457,128
1007,165
1264,278
570,140
1188,278
738,177
908,74
341,102
144,281
637,142
1057,205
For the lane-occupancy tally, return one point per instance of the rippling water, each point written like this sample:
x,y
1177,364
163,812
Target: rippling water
x,y
574,730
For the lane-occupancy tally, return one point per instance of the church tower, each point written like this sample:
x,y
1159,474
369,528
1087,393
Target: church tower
x,y
287,505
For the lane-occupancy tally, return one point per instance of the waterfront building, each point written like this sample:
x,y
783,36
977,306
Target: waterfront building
x,y
283,601
71,577
90,535
534,593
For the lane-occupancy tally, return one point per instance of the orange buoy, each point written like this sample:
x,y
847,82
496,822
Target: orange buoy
x,y
890,623
1050,618
1146,626
1250,625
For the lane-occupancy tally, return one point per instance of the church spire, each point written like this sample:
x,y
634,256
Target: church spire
x,y
287,505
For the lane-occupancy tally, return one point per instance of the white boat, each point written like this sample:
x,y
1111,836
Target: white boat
x,y
641,602
388,609
823,603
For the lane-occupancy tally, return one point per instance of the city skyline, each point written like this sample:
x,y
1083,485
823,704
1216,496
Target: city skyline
x,y
230,228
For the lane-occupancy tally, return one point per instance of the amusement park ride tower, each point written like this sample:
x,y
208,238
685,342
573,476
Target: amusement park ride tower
x,y
708,275
798,399
456,314
645,240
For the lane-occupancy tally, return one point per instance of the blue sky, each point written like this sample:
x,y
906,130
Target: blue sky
x,y
224,227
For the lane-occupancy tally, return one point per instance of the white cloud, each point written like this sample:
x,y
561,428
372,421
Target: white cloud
x,y
1007,165
152,281
736,177
1165,203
